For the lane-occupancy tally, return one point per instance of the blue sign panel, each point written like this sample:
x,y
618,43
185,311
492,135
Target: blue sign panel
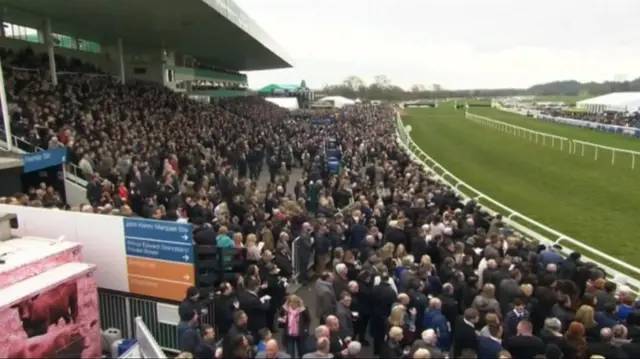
x,y
160,240
40,160
321,120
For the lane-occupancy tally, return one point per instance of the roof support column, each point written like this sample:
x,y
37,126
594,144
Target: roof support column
x,y
121,60
2,13
48,35
5,112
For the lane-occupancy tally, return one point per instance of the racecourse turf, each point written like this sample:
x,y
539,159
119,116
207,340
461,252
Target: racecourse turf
x,y
592,201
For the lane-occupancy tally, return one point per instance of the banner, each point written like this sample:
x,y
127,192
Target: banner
x,y
322,120
37,161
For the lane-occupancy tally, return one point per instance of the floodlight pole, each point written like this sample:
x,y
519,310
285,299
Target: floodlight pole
x,y
5,111
48,35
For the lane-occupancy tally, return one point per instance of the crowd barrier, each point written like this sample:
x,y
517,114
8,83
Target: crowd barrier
x,y
617,271
160,321
145,346
621,130
572,144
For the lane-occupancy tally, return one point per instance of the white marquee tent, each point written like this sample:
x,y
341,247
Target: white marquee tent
x,y
337,101
617,101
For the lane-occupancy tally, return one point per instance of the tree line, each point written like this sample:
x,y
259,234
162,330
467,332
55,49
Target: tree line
x,y
382,88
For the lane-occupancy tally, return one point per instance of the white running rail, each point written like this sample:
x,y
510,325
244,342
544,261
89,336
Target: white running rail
x,y
613,151
531,227
521,131
536,135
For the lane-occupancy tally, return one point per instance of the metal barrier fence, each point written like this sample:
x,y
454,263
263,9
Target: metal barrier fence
x,y
120,311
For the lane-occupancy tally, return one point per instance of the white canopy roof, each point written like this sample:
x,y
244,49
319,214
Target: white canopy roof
x,y
616,101
290,103
338,101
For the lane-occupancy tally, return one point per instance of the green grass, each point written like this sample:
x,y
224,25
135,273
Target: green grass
x,y
591,201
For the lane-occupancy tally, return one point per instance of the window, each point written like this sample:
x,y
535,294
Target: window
x,y
170,75
88,46
21,32
69,42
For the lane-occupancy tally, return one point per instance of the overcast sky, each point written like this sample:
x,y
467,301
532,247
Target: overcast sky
x,y
454,43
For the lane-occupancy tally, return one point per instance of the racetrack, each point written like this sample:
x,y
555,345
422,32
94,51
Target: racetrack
x,y
592,201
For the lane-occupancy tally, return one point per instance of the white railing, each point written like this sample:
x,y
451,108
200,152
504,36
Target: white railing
x,y
519,131
613,151
535,135
531,228
148,345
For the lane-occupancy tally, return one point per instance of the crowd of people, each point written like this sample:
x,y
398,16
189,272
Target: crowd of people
x,y
610,118
410,271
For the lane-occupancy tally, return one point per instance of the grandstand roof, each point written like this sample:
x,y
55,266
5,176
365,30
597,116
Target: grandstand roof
x,y
616,101
215,30
272,87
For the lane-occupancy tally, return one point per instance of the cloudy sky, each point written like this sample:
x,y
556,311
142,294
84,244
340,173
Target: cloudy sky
x,y
455,43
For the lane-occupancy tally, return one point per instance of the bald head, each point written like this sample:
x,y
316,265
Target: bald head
x,y
435,303
606,334
271,348
322,331
332,323
403,299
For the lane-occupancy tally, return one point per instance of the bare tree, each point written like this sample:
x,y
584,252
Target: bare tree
x,y
418,88
354,83
382,81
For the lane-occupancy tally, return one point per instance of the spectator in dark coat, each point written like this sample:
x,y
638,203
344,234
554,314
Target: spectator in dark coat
x,y
255,307
513,317
464,335
490,346
391,347
435,320
524,345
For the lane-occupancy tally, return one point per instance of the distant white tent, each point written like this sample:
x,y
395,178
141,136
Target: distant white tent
x,y
336,101
617,101
290,103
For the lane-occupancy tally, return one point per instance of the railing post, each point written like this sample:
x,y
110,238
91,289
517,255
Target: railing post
x,y
613,156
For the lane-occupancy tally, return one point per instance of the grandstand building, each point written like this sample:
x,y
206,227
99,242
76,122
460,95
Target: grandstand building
x,y
180,47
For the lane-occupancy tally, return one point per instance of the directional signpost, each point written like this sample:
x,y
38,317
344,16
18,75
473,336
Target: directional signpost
x,y
159,257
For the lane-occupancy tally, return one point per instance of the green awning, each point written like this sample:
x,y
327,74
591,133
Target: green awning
x,y
278,88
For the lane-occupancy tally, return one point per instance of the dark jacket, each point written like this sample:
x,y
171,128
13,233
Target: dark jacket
x,y
255,310
524,347
434,319
488,347
464,337
391,349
